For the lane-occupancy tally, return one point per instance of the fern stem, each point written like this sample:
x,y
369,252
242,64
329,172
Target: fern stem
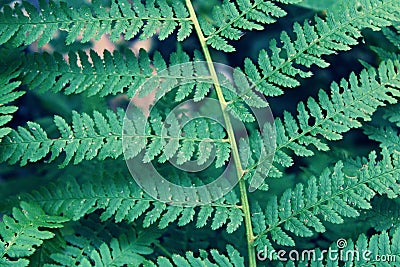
x,y
231,135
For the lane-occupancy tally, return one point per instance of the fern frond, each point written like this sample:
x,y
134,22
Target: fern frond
x,y
94,75
50,246
332,196
23,232
329,116
393,35
386,136
392,114
24,24
384,215
101,136
127,248
117,73
213,258
233,17
86,138
7,95
121,198
279,68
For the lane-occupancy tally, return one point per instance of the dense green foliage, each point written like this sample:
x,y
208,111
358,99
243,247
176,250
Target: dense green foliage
x,y
327,169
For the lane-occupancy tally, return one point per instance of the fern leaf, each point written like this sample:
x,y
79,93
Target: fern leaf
x,y
116,73
122,198
7,95
86,139
23,232
232,18
332,196
393,114
384,215
112,74
127,248
393,35
101,137
387,137
122,17
212,258
278,68
331,116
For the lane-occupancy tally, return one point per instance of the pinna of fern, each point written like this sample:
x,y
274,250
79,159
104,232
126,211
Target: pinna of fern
x,y
22,232
101,137
233,17
7,95
278,67
123,17
102,244
331,115
335,194
92,74
119,198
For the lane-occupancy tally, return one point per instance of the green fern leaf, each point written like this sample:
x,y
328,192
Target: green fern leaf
x,y
115,73
213,258
105,76
101,137
126,249
231,18
122,17
81,141
334,115
122,198
393,114
107,211
328,198
279,68
23,232
387,137
7,95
